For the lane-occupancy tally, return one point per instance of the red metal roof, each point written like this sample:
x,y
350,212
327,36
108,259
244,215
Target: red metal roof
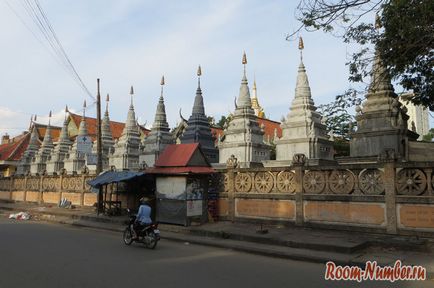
x,y
176,159
177,155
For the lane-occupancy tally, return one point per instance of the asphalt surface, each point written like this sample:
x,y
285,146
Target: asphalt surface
x,y
37,254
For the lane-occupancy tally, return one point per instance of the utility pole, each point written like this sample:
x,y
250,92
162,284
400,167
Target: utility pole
x,y
99,140
98,143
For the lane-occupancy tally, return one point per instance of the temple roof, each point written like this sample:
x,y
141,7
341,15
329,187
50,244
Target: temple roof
x,y
15,148
116,127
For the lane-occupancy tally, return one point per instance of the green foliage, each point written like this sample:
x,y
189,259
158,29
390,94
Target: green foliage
x,y
224,121
404,38
430,136
211,120
338,119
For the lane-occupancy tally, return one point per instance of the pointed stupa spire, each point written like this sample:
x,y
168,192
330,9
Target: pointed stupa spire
x,y
160,120
162,83
130,124
49,118
199,73
244,100
198,107
107,100
255,102
82,130
380,77
34,139
64,132
302,88
66,112
48,141
106,133
131,94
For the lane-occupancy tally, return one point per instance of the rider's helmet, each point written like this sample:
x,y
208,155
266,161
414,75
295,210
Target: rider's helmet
x,y
144,200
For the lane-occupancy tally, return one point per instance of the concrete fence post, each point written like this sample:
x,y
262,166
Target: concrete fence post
x,y
231,164
298,162
25,188
83,188
11,187
388,158
41,190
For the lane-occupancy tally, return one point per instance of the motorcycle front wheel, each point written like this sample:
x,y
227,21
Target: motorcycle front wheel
x,y
128,236
151,240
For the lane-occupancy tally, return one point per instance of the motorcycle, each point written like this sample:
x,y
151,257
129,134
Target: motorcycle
x,y
149,235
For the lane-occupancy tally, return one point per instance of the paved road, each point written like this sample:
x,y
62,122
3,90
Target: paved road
x,y
35,254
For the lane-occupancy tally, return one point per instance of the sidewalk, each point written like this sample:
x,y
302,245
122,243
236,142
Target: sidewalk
x,y
314,245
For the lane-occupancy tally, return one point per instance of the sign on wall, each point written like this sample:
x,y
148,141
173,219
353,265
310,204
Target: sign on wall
x,y
171,187
194,208
84,144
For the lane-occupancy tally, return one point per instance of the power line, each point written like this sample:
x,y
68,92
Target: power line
x,y
37,15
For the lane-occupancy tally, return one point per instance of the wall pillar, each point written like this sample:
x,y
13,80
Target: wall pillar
x,y
40,197
298,162
231,164
390,196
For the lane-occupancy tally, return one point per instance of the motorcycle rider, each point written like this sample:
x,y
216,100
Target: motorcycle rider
x,y
143,217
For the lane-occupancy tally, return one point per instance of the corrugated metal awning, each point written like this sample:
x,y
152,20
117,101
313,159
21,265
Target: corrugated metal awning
x,y
113,177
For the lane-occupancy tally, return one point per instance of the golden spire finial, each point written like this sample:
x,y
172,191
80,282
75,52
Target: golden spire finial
x,y
244,62
301,47
300,43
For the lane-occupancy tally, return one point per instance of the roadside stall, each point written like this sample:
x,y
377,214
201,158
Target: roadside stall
x,y
119,189
182,175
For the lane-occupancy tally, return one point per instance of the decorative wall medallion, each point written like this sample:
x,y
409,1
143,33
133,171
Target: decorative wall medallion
x,y
410,182
286,182
371,181
341,182
243,182
314,182
264,182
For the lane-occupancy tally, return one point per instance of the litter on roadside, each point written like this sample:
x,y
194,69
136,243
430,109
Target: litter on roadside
x,y
64,203
20,216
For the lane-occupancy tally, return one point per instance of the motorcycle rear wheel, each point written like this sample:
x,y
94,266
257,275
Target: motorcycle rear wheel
x,y
128,236
152,242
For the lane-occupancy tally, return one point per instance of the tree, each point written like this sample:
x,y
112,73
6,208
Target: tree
x,y
430,136
224,121
337,119
403,37
211,120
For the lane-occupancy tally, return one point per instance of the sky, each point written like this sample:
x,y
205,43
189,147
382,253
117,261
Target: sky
x,y
133,42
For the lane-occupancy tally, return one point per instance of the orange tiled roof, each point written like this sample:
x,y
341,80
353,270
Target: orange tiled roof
x,y
13,151
42,128
270,126
116,127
